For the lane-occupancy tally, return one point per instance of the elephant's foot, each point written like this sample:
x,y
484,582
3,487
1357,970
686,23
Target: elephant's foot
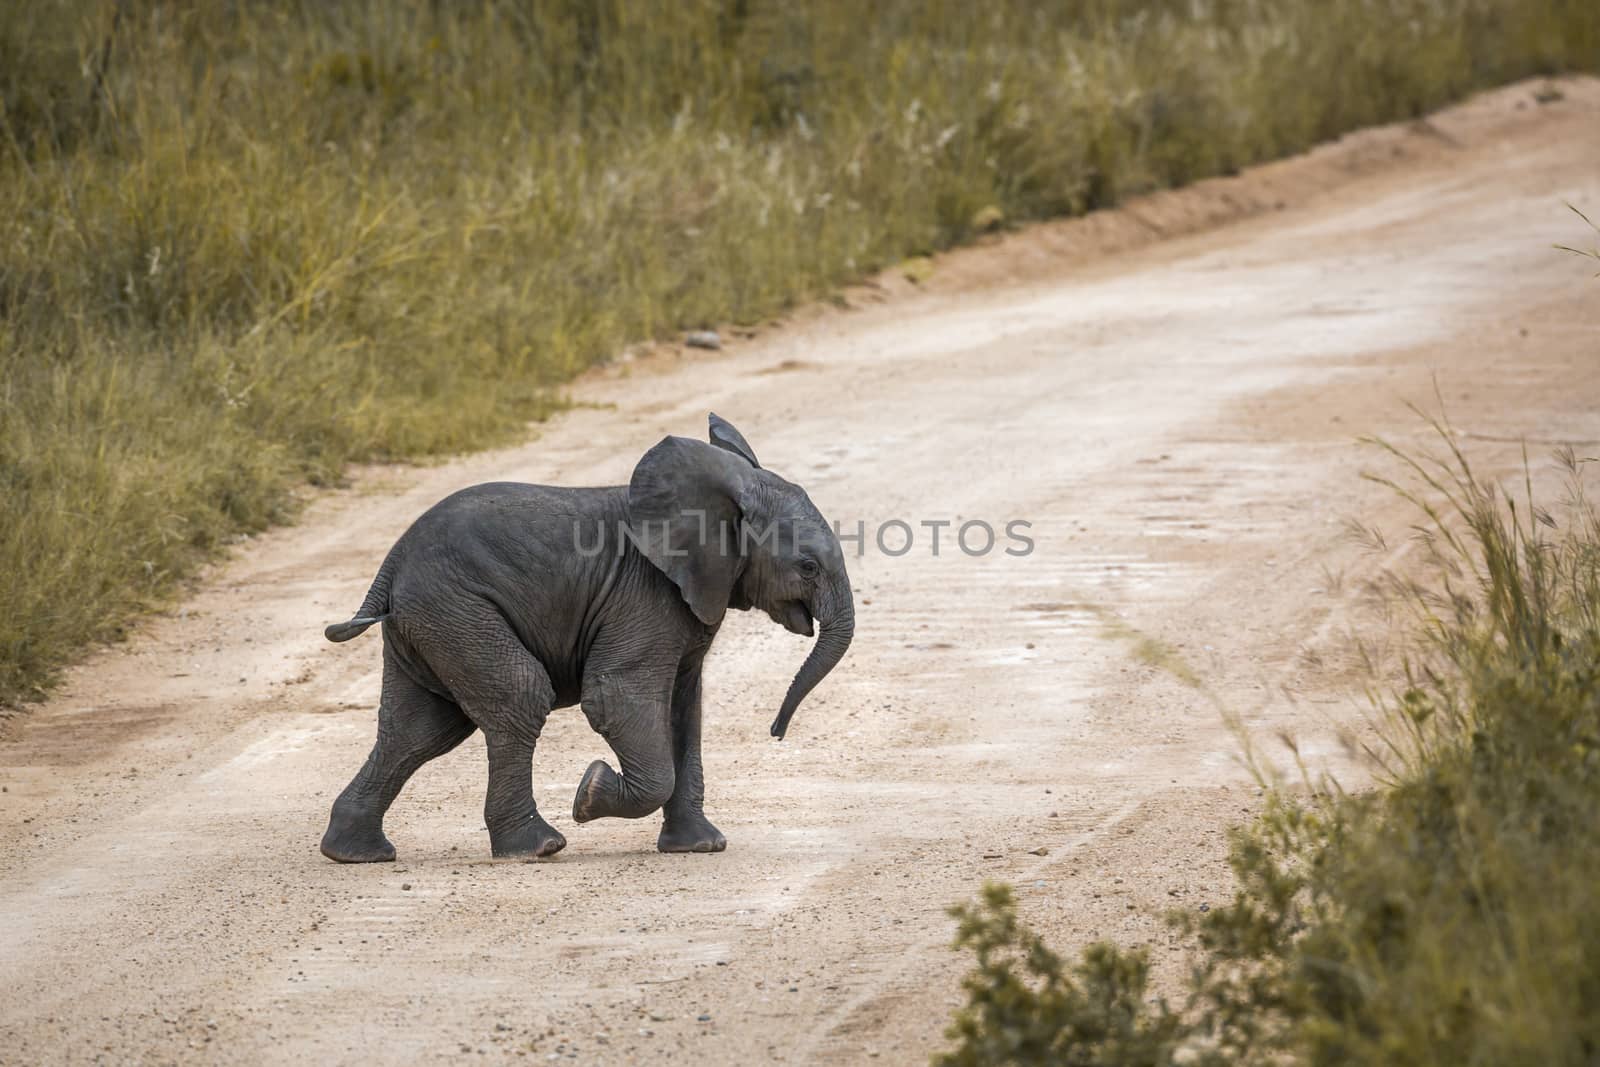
x,y
603,793
352,840
692,833
530,839
595,792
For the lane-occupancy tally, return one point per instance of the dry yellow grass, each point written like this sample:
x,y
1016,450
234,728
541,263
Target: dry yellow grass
x,y
243,244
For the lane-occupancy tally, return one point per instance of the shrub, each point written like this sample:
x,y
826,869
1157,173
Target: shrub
x,y
1450,916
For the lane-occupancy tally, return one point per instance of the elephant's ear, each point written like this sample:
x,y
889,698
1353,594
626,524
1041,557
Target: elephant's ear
x,y
723,435
683,512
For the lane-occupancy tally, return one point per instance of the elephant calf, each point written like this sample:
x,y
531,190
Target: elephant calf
x,y
507,600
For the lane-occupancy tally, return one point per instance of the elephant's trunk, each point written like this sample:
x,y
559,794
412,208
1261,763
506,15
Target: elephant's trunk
x,y
836,624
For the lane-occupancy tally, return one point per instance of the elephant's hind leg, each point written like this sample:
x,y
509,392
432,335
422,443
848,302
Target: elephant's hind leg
x,y
516,829
414,726
508,694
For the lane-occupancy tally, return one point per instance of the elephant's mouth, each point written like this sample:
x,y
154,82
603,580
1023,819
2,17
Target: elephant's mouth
x,y
796,618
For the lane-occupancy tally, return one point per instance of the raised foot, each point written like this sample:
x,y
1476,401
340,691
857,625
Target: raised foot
x,y
348,845
529,840
599,782
691,835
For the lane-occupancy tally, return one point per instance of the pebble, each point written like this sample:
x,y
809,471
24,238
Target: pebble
x,y
705,1018
704,339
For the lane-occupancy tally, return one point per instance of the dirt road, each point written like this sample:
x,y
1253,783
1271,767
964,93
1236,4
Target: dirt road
x,y
1174,415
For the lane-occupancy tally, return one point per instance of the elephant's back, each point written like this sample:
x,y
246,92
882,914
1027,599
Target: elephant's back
x,y
506,552
498,518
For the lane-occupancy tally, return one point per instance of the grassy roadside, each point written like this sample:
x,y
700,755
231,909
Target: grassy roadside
x,y
1448,917
244,244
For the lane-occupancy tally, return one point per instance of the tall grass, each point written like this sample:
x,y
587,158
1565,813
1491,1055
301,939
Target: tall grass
x,y
242,244
1449,917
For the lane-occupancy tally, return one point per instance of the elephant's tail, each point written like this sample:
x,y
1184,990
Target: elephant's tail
x,y
344,631
373,610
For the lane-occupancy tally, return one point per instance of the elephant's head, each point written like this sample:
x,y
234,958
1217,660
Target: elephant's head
x,y
731,535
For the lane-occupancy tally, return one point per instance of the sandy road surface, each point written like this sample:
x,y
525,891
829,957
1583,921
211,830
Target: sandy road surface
x,y
1176,419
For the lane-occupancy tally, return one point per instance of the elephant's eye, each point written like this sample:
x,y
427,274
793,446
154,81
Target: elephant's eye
x,y
808,568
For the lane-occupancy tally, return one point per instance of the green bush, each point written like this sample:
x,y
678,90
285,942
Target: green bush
x,y
242,244
1448,917
1025,1006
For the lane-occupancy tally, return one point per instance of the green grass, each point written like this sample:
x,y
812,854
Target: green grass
x,y
244,244
1449,916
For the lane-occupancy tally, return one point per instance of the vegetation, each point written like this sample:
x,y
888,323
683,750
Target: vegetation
x,y
1449,917
242,244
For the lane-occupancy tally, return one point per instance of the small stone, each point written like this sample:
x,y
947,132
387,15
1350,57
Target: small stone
x,y
705,1018
988,218
1040,851
704,339
405,886
1205,907
917,269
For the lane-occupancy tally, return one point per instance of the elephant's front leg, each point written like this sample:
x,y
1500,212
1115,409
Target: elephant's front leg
x,y
632,710
686,828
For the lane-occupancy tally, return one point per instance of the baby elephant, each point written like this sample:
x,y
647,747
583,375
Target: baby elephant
x,y
506,600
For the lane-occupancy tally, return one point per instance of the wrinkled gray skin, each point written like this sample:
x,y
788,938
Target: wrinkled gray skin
x,y
507,600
